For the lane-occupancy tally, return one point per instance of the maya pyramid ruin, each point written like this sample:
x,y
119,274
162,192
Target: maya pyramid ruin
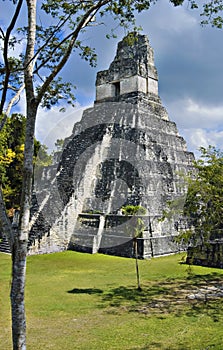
x,y
124,151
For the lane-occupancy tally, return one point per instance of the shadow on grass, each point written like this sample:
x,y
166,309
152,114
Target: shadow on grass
x,y
85,291
196,295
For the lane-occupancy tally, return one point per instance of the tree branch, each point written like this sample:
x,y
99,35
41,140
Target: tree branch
x,y
83,22
88,20
2,32
60,25
5,54
14,98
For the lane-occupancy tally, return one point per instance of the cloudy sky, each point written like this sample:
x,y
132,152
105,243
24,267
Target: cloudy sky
x,y
189,60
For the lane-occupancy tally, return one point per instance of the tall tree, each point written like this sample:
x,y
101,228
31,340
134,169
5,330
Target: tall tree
x,y
137,227
198,215
204,202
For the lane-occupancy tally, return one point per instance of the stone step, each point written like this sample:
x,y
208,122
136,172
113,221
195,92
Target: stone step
x,y
4,246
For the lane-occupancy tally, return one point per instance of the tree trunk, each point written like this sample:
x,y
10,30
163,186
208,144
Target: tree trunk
x,y
20,244
137,265
19,252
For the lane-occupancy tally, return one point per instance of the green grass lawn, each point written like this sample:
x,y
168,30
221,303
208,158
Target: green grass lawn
x,y
82,301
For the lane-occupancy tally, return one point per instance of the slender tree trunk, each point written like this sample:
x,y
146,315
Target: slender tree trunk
x,y
137,265
19,248
20,243
19,252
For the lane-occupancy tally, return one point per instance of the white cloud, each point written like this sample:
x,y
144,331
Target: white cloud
x,y
197,137
52,125
188,113
177,19
207,112
200,124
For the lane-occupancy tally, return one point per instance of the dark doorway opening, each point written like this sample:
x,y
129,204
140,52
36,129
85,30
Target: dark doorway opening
x,y
117,88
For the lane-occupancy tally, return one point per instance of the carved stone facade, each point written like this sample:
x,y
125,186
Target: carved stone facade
x,y
125,150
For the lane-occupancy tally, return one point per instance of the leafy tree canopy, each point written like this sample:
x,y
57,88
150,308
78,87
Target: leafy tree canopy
x,y
198,215
204,201
12,156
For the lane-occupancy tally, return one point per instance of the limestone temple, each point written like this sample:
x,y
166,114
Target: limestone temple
x,y
124,151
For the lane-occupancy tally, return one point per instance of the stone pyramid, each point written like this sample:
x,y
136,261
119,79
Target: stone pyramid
x,y
124,151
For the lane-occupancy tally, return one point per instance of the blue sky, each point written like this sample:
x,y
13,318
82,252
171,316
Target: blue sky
x,y
189,60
